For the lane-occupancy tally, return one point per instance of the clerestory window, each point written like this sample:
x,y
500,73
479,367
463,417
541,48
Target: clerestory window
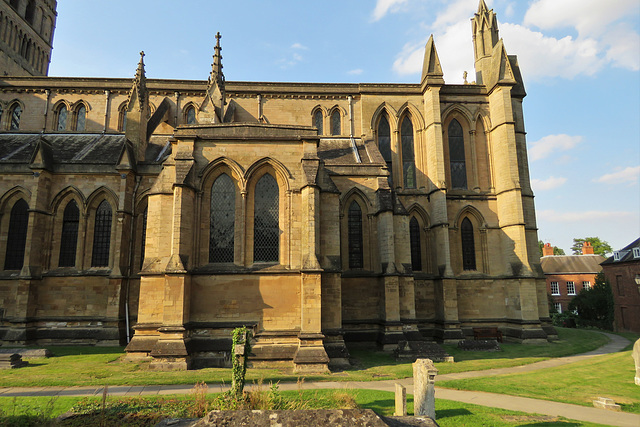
x,y
457,161
408,154
61,122
317,120
335,123
384,145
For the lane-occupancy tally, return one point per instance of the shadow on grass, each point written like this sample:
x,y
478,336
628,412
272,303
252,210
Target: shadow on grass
x,y
551,424
446,413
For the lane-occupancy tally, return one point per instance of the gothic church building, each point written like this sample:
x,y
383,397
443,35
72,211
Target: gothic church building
x,y
162,214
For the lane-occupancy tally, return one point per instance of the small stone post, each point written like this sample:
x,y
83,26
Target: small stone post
x,y
424,393
401,401
636,357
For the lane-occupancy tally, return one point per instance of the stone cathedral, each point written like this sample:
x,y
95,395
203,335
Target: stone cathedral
x,y
161,214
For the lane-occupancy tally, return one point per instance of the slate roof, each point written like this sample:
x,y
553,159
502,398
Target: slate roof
x,y
343,151
625,254
567,264
73,148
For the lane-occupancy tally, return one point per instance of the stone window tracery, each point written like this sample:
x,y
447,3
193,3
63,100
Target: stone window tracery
x,y
457,161
266,237
190,115
222,221
69,235
81,116
102,236
17,236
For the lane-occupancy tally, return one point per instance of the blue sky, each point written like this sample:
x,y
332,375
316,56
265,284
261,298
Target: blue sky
x,y
580,60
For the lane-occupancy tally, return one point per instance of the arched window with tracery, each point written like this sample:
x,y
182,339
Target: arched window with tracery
x,y
317,121
81,117
69,235
335,123
384,144
408,154
190,115
266,228
16,112
61,118
222,223
468,245
102,236
354,226
416,248
17,236
456,156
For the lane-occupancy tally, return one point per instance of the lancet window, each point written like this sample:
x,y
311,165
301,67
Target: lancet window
x,y
468,245
356,253
456,156
17,236
266,230
416,248
221,226
69,235
102,236
384,144
408,154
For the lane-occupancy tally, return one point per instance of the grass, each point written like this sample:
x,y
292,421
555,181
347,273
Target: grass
x,y
578,383
97,366
36,411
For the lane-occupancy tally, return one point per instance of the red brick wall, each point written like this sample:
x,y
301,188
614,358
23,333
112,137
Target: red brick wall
x,y
626,294
562,280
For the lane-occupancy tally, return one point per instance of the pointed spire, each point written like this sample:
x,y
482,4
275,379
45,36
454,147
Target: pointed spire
x,y
482,7
431,69
212,108
138,111
139,84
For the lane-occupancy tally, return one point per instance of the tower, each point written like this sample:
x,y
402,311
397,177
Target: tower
x,y
26,36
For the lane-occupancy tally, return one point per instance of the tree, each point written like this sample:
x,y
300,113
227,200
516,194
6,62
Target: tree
x,y
556,251
600,247
595,305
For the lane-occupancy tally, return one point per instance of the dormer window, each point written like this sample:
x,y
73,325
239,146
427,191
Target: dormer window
x,y
636,252
616,256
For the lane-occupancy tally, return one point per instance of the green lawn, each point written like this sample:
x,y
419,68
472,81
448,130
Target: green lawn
x,y
579,383
37,411
97,366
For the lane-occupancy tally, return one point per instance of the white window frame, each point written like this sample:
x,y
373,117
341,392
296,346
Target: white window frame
x,y
555,286
571,288
636,252
616,256
586,284
558,307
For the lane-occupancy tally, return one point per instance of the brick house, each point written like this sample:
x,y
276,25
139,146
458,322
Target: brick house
x,y
567,275
623,272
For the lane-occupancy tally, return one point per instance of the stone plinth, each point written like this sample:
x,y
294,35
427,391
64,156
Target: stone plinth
x,y
424,394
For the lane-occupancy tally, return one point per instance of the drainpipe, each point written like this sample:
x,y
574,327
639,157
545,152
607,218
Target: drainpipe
x,y
46,110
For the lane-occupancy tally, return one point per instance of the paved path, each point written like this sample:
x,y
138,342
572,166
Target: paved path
x,y
522,404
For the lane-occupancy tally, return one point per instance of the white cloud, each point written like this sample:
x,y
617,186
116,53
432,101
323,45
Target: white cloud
x,y
355,72
551,144
547,184
298,46
582,216
588,17
630,175
384,6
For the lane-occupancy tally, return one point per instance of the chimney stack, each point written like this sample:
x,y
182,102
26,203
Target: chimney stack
x,y
547,249
587,249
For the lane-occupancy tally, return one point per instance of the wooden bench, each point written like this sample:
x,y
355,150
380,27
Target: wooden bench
x,y
487,333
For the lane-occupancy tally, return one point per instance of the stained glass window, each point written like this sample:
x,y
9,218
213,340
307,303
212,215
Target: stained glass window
x,y
62,118
191,115
143,237
123,120
266,229
356,255
16,111
81,116
456,156
408,155
317,121
335,123
468,246
69,235
223,216
384,144
416,249
102,236
17,236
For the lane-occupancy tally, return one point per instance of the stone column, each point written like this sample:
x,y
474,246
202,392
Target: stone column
x,y
424,394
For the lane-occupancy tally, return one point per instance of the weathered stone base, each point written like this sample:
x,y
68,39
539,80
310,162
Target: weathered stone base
x,y
411,350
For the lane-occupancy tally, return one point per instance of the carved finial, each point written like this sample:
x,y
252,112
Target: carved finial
x,y
464,76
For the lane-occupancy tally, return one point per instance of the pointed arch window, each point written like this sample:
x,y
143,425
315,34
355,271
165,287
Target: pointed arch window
x,y
468,246
456,156
416,248
17,236
317,120
69,235
266,227
122,119
61,122
335,123
384,144
408,154
190,115
16,112
81,118
354,225
102,236
223,216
